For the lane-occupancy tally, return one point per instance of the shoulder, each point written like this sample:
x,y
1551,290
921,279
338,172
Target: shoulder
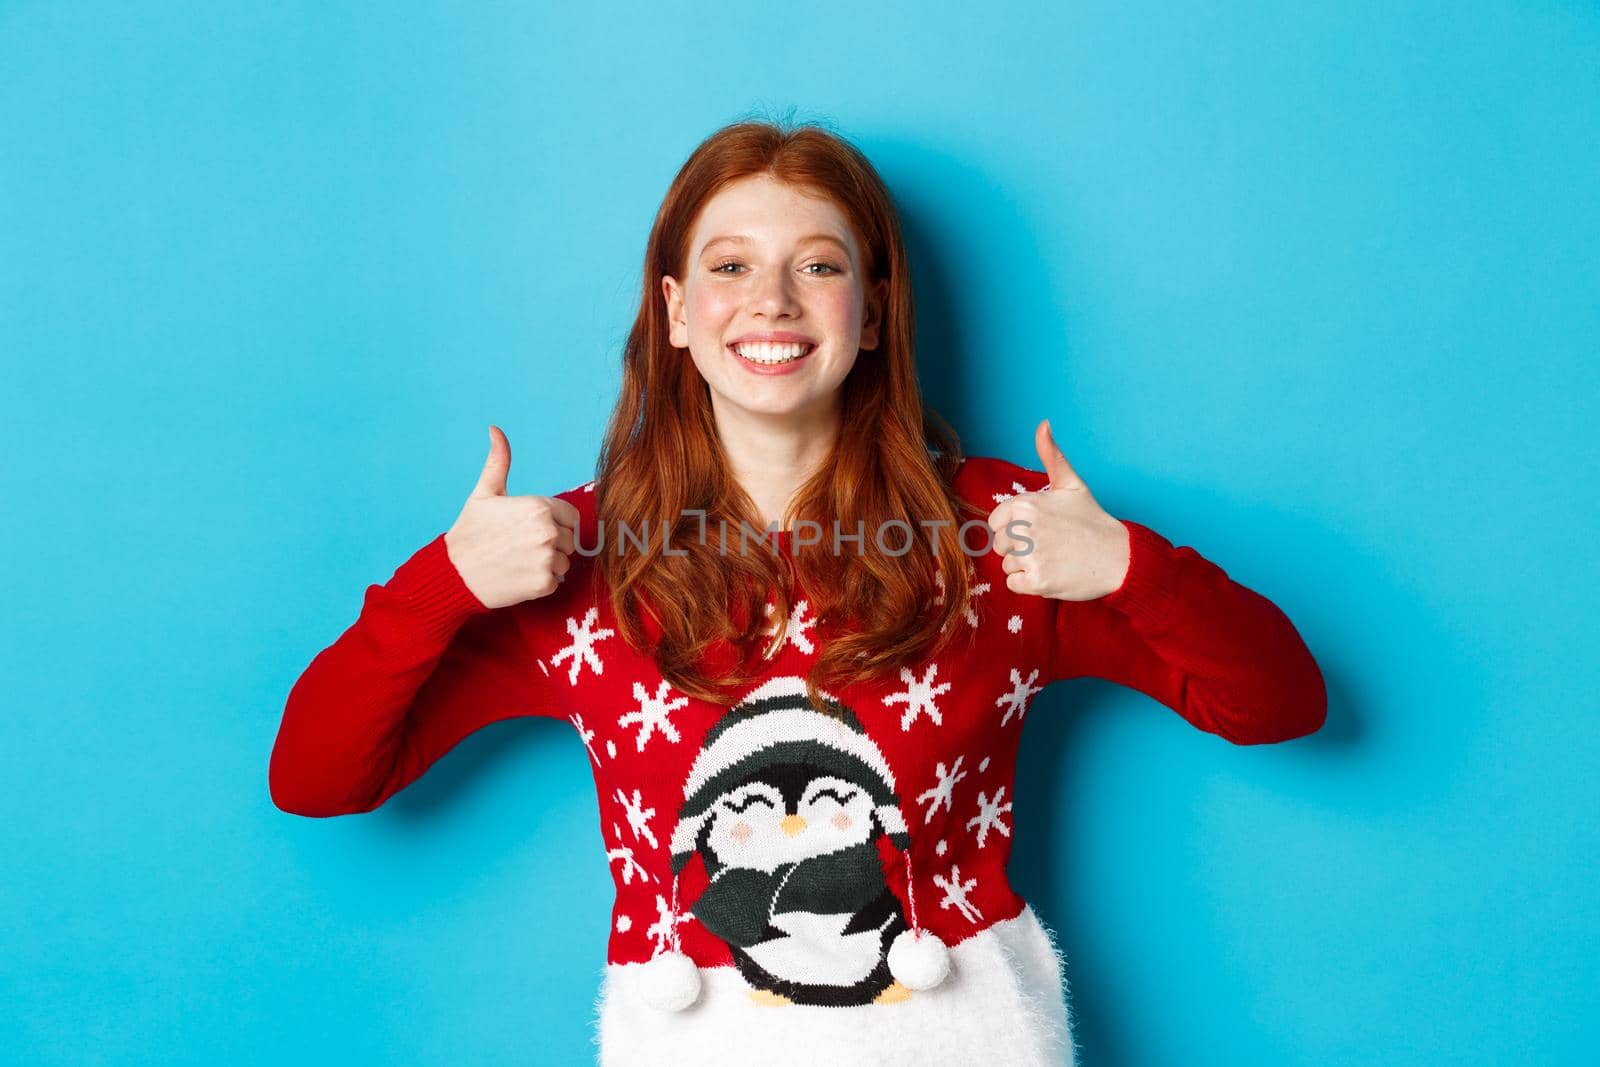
x,y
989,480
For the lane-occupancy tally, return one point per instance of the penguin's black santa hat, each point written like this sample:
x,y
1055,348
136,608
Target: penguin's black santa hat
x,y
775,723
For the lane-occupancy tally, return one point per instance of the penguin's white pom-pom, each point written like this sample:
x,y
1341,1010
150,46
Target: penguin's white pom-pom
x,y
670,981
919,959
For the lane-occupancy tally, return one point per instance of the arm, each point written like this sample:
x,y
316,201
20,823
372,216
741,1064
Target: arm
x,y
424,665
1178,629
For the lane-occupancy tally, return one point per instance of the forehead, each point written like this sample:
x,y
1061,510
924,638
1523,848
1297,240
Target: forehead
x,y
763,211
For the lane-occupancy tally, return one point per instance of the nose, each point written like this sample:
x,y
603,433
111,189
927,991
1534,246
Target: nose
x,y
774,296
792,824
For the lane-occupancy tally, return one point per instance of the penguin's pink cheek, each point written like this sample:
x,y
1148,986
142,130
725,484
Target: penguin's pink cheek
x,y
841,819
741,832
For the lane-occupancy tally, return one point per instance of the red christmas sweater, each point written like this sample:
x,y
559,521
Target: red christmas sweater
x,y
781,850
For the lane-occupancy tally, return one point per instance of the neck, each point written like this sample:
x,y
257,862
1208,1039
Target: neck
x,y
771,457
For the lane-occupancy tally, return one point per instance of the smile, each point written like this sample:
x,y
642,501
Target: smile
x,y
768,354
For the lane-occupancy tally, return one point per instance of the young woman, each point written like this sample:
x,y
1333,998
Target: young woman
x,y
803,743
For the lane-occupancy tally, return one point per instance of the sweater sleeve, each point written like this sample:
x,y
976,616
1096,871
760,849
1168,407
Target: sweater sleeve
x,y
424,665
1180,630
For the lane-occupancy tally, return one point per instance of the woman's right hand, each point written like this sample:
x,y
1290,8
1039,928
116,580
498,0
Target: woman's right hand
x,y
510,548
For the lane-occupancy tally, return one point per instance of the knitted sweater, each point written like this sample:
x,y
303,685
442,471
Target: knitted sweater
x,y
789,884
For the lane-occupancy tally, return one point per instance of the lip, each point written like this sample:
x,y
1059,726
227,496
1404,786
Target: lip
x,y
776,337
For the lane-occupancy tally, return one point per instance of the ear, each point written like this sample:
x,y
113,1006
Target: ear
x,y
872,317
677,327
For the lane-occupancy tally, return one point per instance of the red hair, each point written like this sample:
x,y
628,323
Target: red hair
x,y
894,459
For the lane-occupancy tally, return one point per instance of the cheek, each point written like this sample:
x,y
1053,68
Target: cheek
x,y
741,833
842,820
709,308
843,307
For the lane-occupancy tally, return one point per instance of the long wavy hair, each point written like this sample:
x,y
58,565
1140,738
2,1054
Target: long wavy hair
x,y
893,459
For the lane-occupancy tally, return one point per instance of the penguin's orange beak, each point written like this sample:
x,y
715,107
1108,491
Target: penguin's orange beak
x,y
792,824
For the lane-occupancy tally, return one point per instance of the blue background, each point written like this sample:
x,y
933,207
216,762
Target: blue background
x,y
1311,288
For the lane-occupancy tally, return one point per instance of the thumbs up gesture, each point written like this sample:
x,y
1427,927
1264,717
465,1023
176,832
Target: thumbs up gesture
x,y
1079,551
510,548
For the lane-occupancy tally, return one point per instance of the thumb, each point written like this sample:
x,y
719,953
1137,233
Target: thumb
x,y
1062,476
492,482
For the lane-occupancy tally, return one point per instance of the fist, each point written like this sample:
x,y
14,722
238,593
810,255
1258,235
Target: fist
x,y
1078,551
510,548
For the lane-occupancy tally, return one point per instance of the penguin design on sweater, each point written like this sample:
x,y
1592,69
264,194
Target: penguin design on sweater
x,y
785,806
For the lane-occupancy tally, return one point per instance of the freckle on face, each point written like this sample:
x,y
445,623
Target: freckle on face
x,y
741,832
841,819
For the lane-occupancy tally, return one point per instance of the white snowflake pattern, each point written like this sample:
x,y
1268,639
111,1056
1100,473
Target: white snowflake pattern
x,y
624,923
988,817
630,866
587,487
1017,489
955,893
638,817
794,632
1016,700
664,931
581,651
975,589
939,793
1014,624
652,713
918,696
586,735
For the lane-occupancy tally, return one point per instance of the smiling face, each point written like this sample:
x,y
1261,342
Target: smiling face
x,y
789,815
773,306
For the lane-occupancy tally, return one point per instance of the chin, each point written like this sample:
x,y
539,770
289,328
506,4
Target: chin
x,y
772,406
771,411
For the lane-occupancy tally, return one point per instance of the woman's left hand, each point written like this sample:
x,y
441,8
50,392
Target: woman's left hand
x,y
1079,552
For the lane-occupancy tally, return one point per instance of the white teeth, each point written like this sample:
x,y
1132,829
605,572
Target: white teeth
x,y
769,353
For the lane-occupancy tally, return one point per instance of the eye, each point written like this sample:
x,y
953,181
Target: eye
x,y
840,797
721,268
749,802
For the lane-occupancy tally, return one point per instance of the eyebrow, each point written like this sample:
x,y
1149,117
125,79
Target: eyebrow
x,y
743,239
